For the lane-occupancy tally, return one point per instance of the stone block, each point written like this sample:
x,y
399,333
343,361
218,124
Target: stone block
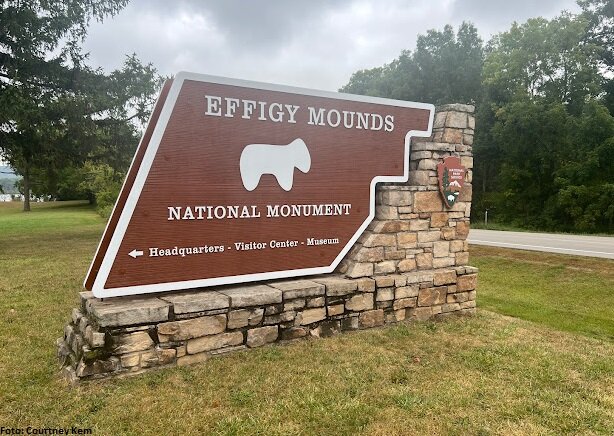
x,y
131,342
273,309
418,177
420,313
443,262
316,302
336,286
364,254
191,359
440,119
427,201
383,305
444,277
448,233
299,288
450,307
260,336
467,282
429,236
371,318
360,302
406,291
76,316
407,239
407,265
392,254
424,260
397,198
404,303
293,333
468,304
349,323
280,318
378,240
188,302
97,367
439,219
462,258
336,309
257,295
208,343
244,317
418,225
385,267
365,284
360,269
459,297
327,328
456,246
94,339
419,277
84,297
310,316
432,296
384,281
452,136
457,120
130,360
392,226
427,164
159,356
386,212
124,311
299,303
384,294
191,328
441,249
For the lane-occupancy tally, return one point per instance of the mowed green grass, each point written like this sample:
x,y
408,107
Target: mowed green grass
x,y
489,374
570,293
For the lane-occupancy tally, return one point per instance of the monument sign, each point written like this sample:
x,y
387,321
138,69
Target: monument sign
x,y
238,181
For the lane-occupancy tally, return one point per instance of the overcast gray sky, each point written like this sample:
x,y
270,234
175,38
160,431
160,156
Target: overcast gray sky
x,y
313,44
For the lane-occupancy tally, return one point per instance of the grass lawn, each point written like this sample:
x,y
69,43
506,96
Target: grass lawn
x,y
550,370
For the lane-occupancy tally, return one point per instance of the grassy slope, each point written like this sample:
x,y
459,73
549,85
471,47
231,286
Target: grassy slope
x,y
490,374
564,292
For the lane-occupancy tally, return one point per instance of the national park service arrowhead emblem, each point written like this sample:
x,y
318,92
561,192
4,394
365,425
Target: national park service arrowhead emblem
x,y
451,175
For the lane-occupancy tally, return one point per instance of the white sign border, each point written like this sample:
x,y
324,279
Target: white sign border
x,y
98,288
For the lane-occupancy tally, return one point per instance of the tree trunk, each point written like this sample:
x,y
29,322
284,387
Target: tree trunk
x,y
26,190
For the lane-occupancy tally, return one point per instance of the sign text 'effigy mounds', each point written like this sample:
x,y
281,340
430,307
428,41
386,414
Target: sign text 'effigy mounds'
x,y
238,181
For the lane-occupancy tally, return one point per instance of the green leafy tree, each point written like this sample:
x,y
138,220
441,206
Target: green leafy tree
x,y
55,111
444,67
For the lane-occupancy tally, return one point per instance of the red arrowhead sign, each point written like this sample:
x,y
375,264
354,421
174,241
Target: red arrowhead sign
x,y
238,181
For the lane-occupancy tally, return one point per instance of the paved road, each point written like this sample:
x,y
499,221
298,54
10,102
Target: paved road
x,y
595,246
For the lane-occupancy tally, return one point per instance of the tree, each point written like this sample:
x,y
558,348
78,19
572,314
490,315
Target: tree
x,y
538,79
599,14
55,111
444,67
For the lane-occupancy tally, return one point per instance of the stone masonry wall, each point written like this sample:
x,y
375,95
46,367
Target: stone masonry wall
x,y
411,264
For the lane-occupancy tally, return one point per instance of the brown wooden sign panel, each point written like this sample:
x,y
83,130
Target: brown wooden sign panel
x,y
239,181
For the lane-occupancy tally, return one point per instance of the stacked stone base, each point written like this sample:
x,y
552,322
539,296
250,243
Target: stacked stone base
x,y
118,336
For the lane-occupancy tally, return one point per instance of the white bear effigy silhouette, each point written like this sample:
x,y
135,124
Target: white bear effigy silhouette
x,y
278,160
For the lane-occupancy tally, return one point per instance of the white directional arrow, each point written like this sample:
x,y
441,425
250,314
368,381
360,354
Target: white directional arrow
x,y
135,253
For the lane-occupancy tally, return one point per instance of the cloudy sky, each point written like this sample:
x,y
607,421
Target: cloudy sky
x,y
310,43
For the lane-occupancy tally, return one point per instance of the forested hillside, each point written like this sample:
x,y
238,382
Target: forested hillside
x,y
544,96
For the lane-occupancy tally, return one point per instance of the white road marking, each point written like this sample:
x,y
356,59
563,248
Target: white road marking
x,y
497,244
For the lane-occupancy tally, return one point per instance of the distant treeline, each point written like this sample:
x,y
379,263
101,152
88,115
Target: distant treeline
x,y
544,96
